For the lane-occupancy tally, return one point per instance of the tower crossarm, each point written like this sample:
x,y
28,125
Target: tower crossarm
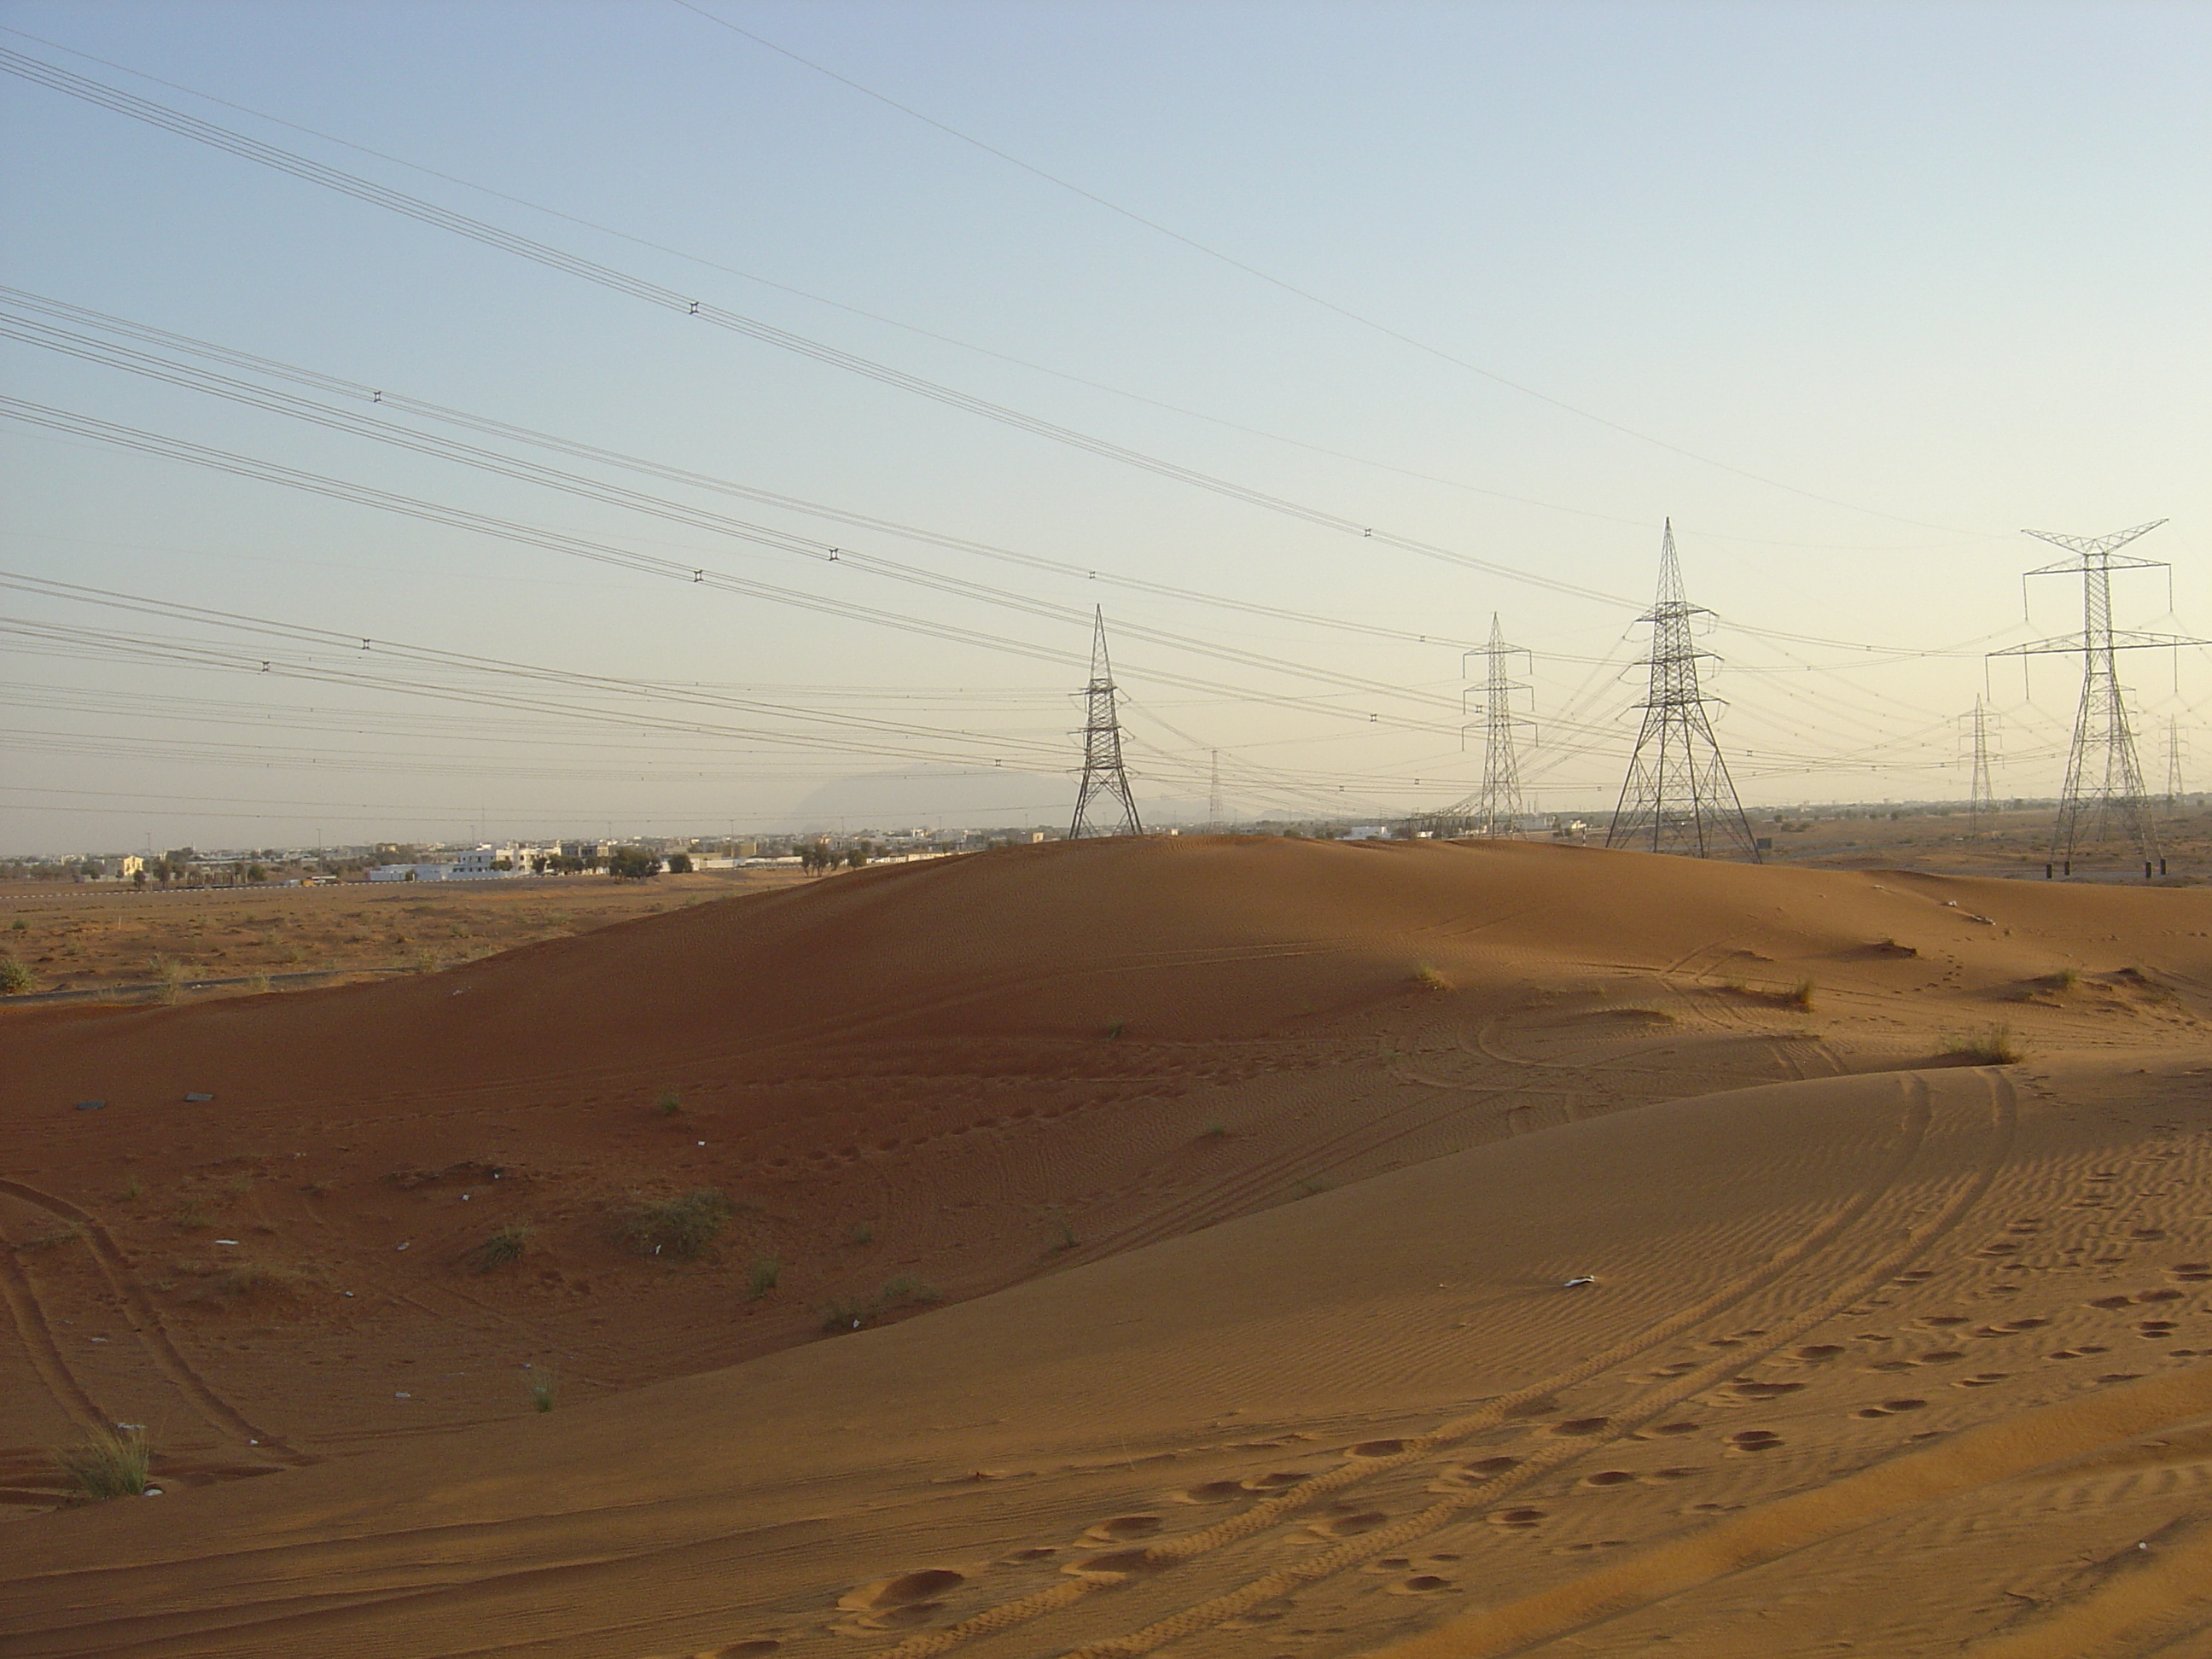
x,y
2122,639
2089,545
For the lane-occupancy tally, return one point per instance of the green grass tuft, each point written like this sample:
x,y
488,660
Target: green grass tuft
x,y
766,1271
1426,976
16,979
668,1105
107,1463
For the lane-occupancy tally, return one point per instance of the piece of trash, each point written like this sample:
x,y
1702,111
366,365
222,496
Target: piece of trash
x,y
90,1105
464,1198
151,1492
402,1396
226,1241
96,1339
703,1143
200,1099
345,1292
1577,1283
402,1244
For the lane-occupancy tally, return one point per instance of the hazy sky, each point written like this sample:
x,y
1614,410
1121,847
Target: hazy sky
x,y
1853,292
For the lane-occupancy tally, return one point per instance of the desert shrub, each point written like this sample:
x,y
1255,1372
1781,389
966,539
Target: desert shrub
x,y
852,1313
766,1271
2066,979
683,1226
107,1463
1426,976
1800,995
1214,1129
504,1246
1115,1028
863,1232
669,1104
1995,1046
16,979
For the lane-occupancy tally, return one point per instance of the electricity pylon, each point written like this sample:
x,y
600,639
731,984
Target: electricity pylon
x,y
2103,797
1981,797
1214,819
1105,777
1496,807
1678,796
2173,790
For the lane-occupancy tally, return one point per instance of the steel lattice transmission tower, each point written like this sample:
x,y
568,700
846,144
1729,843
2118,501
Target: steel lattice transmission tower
x,y
2173,789
1105,778
1678,796
2103,796
1981,797
1213,817
1496,808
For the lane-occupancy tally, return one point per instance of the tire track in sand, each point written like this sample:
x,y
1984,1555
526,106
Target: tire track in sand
x,y
38,1339
1393,1539
1910,1140
138,1312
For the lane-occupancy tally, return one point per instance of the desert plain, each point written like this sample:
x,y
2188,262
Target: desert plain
x,y
1206,1245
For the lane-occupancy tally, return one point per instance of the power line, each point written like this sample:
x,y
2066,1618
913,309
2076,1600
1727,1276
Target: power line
x,y
1307,294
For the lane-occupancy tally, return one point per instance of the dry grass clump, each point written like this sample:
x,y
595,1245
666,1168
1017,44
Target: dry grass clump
x,y
766,1271
1995,1046
107,1463
1800,995
504,1246
16,979
2066,979
852,1313
683,1226
1426,976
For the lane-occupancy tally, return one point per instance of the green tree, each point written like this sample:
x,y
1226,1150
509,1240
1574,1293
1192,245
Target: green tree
x,y
633,864
679,864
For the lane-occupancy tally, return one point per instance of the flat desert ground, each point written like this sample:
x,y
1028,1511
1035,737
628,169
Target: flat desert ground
x,y
1205,1245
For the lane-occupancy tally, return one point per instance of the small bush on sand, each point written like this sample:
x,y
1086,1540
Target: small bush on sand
x,y
504,1246
1116,1027
1800,995
2066,979
766,1271
1993,1046
853,1313
541,1385
107,1463
16,979
863,1232
1214,1129
683,1226
1426,976
669,1104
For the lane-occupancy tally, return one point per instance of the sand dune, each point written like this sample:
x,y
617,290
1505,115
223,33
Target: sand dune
x,y
1253,1174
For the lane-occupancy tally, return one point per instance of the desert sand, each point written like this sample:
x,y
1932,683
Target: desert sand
x,y
1215,1214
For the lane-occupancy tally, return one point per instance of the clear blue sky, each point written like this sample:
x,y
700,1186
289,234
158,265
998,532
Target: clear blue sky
x,y
1853,292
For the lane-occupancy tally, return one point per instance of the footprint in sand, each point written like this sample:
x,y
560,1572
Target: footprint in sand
x,y
1575,1427
1609,1477
1376,1448
1124,1526
1890,1408
1213,1491
1276,1481
1351,1525
1515,1520
1754,1440
1486,1468
1981,1380
1421,1584
2195,1272
2156,1330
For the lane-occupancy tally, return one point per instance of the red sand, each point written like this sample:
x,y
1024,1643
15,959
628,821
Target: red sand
x,y
1235,1160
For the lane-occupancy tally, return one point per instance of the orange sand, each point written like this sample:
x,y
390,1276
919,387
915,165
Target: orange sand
x,y
1251,1173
